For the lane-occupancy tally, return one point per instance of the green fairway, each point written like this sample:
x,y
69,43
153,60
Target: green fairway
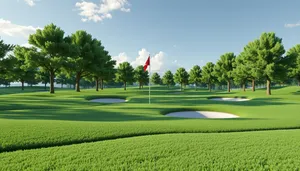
x,y
266,150
38,119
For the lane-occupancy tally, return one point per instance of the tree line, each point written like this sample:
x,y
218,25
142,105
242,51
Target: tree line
x,y
262,60
55,57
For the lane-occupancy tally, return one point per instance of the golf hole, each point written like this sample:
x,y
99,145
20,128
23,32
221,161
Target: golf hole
x,y
108,100
229,99
201,114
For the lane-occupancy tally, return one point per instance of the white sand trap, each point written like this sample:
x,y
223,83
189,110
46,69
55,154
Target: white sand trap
x,y
201,114
108,100
230,99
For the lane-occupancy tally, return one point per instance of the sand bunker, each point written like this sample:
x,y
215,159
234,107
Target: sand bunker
x,y
230,99
108,100
201,114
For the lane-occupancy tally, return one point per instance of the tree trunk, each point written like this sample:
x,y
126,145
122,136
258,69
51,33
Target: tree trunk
x,y
102,84
298,82
209,87
52,82
244,87
45,86
97,84
22,81
253,85
268,87
125,85
78,77
62,85
181,87
140,85
228,86
196,87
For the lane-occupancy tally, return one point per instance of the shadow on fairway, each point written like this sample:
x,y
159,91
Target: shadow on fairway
x,y
95,115
296,93
192,101
79,115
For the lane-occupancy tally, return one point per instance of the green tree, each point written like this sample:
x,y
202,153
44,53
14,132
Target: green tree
x,y
155,79
294,69
43,76
83,57
181,77
168,79
195,75
224,68
242,71
5,63
53,50
141,76
208,76
125,73
270,58
22,72
103,68
250,61
61,79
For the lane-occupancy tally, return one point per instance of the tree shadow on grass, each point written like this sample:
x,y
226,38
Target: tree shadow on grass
x,y
91,115
192,101
296,93
80,115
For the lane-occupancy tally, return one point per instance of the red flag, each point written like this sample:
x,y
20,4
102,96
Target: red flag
x,y
147,64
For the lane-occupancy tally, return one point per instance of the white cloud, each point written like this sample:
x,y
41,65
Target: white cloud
x,y
14,30
122,57
160,62
292,25
30,2
94,12
125,9
156,60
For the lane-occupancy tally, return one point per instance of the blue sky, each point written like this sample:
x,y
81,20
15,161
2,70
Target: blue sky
x,y
175,32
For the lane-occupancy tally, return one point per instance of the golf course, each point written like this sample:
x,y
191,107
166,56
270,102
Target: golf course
x,y
129,85
63,131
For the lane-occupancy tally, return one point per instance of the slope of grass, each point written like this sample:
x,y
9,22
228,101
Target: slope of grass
x,y
33,120
265,150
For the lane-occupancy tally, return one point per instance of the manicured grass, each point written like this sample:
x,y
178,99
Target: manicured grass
x,y
265,150
33,120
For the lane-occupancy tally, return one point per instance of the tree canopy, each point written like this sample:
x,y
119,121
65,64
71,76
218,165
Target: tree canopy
x,y
53,50
141,76
125,74
208,76
155,79
82,58
181,77
168,79
270,57
224,68
195,75
294,69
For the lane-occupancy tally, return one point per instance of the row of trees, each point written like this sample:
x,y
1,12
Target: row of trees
x,y
55,55
67,59
263,59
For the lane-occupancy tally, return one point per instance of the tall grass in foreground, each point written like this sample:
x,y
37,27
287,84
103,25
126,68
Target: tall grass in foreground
x,y
266,150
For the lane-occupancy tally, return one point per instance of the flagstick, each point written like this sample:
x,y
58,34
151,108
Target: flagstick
x,y
149,80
